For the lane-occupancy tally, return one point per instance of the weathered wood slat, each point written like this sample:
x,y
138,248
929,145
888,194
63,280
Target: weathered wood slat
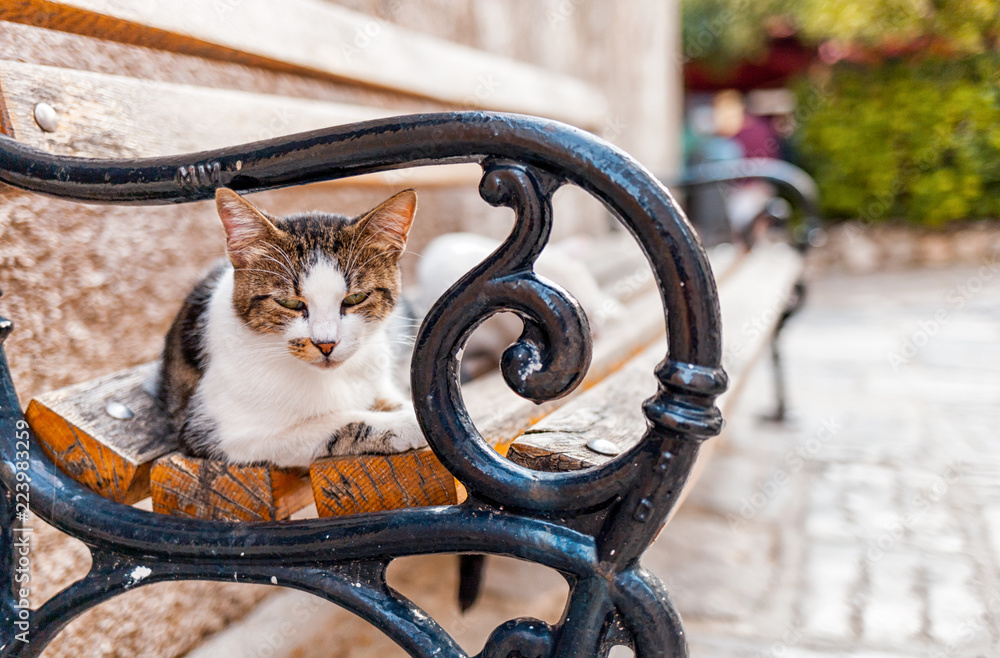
x,y
751,304
102,115
610,410
214,490
111,455
370,483
325,40
620,268
39,45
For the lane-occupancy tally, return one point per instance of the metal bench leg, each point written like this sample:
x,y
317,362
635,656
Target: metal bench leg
x,y
471,569
795,302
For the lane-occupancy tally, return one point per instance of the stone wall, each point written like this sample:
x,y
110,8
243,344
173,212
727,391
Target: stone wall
x,y
626,48
858,249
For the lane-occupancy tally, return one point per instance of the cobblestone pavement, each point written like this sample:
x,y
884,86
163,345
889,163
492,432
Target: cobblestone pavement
x,y
870,525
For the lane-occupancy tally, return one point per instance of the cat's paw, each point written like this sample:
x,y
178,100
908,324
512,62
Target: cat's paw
x,y
405,433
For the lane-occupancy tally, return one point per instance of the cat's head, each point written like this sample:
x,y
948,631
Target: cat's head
x,y
320,283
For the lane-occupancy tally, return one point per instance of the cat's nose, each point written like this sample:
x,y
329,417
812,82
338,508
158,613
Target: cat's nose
x,y
325,348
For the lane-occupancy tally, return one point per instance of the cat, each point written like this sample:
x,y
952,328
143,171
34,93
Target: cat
x,y
280,355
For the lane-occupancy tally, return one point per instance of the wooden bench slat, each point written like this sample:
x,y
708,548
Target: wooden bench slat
x,y
323,39
501,415
108,454
101,115
210,489
610,409
371,483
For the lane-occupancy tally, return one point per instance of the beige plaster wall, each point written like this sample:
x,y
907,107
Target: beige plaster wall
x,y
627,48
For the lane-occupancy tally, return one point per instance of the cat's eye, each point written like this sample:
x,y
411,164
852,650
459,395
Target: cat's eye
x,y
293,304
355,298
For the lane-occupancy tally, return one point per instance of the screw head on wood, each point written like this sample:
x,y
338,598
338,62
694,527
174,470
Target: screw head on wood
x,y
603,447
118,410
46,117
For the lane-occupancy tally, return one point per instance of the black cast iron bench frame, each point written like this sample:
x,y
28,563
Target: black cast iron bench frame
x,y
592,525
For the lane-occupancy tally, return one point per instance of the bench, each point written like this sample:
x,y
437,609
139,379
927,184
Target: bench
x,y
543,446
93,430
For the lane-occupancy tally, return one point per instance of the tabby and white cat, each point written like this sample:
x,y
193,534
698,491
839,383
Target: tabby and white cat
x,y
280,355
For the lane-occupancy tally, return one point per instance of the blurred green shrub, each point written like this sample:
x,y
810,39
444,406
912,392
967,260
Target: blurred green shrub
x,y
719,33
915,135
918,140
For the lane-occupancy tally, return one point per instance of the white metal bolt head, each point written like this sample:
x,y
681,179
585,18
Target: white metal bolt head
x,y
116,409
46,117
603,447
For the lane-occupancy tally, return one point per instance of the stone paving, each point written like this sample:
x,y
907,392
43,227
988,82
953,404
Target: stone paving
x,y
869,525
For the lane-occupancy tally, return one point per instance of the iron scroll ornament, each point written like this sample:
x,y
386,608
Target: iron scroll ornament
x,y
591,525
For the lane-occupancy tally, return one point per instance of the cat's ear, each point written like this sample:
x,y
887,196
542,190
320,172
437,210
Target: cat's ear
x,y
390,222
248,231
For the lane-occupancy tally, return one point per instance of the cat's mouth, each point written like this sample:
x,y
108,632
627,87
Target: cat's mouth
x,y
327,364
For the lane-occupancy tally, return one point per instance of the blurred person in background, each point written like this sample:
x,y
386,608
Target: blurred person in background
x,y
726,131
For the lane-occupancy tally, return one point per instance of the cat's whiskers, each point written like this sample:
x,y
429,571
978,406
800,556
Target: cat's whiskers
x,y
287,267
351,249
354,252
277,274
400,340
395,341
381,253
288,261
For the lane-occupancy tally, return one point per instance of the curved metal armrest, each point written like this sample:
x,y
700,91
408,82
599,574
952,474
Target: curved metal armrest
x,y
791,180
590,525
